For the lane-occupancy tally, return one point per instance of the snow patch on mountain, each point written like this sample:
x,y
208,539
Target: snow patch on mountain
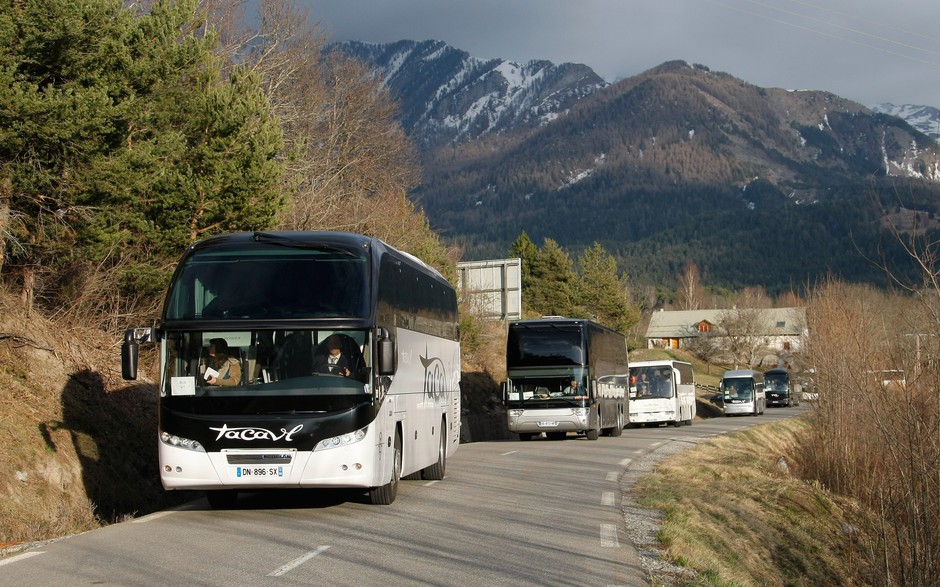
x,y
463,98
926,119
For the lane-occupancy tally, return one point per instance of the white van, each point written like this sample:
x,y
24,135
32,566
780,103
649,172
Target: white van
x,y
742,392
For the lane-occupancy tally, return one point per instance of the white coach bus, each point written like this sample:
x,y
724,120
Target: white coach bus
x,y
248,397
661,392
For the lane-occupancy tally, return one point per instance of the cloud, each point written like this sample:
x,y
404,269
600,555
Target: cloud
x,y
867,51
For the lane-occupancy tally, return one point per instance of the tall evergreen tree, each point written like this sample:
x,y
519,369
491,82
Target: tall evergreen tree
x,y
121,142
526,251
603,293
553,282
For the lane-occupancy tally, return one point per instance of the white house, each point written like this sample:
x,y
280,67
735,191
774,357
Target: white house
x,y
781,331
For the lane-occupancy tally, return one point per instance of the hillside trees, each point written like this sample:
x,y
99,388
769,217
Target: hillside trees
x,y
552,287
121,142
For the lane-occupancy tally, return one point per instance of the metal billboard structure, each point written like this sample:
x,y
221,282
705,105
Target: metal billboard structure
x,y
494,287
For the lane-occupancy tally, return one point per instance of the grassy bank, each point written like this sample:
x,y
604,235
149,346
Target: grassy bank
x,y
736,512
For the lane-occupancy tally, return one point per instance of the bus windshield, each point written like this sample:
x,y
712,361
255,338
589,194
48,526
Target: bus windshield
x,y
777,382
740,389
547,344
258,370
264,281
651,382
550,387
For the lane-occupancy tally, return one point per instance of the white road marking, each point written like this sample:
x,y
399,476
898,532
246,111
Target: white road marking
x,y
609,536
296,562
18,557
607,498
626,463
509,453
612,475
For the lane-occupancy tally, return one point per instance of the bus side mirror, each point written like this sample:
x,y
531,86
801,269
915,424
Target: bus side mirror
x,y
387,353
130,351
504,388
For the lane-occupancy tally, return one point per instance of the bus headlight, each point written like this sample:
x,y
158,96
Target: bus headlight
x,y
516,413
581,414
180,442
342,440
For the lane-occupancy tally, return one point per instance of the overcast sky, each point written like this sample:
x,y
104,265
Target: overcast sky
x,y
865,50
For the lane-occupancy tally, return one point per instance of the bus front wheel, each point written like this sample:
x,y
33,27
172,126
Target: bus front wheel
x,y
385,494
595,433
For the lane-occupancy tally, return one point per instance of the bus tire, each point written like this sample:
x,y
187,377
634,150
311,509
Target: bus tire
x,y
386,494
618,429
595,433
222,499
435,472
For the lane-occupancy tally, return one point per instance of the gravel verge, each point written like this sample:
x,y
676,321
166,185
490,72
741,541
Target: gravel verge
x,y
643,524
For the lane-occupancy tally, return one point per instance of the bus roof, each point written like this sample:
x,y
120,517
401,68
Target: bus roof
x,y
313,237
658,363
740,373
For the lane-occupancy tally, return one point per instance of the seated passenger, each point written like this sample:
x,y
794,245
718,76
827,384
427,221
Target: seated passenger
x,y
221,369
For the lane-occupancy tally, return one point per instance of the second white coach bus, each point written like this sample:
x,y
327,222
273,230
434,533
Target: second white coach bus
x,y
661,392
248,395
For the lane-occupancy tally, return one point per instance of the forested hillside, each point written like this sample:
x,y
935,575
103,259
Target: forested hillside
x,y
757,186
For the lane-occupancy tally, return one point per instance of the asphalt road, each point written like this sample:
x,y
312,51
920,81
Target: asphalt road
x,y
507,513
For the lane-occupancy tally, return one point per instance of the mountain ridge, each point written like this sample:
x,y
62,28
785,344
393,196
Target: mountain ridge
x,y
672,165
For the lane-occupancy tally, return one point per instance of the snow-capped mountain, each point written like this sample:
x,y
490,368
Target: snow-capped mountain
x,y
676,163
449,96
926,119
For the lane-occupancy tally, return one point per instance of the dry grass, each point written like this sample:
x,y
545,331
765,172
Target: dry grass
x,y
79,447
737,515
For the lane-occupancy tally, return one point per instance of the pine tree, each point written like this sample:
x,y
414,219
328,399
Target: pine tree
x,y
122,142
603,294
553,281
526,251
